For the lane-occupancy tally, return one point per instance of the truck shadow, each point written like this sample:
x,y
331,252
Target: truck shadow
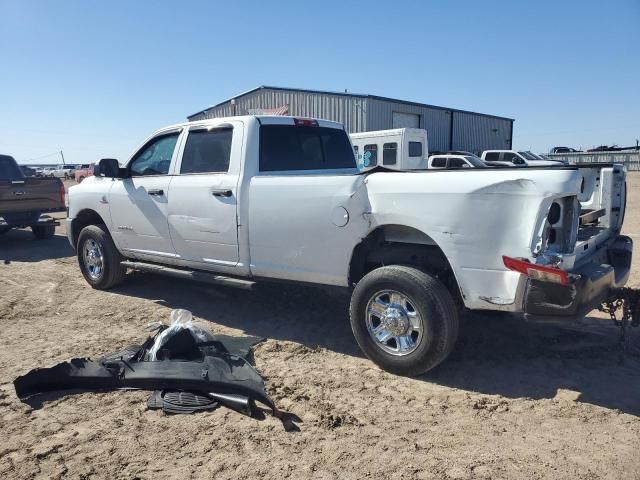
x,y
495,354
21,246
582,363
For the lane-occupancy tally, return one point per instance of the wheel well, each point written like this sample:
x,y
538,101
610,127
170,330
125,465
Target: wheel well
x,y
84,219
401,245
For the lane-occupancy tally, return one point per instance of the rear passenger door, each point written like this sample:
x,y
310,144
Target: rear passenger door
x,y
202,211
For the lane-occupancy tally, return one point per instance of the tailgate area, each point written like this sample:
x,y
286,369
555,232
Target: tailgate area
x,y
591,284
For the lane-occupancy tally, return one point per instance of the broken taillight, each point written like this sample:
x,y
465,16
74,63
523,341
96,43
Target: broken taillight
x,y
536,272
305,122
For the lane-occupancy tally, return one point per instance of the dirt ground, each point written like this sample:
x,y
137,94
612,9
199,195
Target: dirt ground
x,y
515,401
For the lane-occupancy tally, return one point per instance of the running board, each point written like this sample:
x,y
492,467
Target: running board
x,y
196,275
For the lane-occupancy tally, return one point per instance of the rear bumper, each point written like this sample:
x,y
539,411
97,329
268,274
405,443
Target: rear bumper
x,y
592,284
26,219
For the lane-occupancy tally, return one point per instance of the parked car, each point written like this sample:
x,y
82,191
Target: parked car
x,y
396,149
83,171
46,172
25,201
450,161
523,158
64,171
258,198
564,150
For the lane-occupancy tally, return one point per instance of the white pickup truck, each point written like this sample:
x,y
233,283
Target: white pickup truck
x,y
241,199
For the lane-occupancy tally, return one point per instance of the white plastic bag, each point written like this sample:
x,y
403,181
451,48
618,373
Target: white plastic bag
x,y
180,320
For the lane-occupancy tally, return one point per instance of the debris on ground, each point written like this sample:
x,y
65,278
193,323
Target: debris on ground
x,y
188,368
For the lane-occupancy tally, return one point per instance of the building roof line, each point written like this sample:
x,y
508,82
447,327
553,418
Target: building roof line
x,y
349,94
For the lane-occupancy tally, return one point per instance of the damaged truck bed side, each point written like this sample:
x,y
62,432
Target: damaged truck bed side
x,y
240,199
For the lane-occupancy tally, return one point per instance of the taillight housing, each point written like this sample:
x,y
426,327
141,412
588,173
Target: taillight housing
x,y
305,122
536,272
62,192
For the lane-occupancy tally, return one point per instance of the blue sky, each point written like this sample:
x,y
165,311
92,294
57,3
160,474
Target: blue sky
x,y
95,78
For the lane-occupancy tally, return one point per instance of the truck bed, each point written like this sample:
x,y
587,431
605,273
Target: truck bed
x,y
23,200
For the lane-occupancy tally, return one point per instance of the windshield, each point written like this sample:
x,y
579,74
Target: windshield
x,y
475,161
529,156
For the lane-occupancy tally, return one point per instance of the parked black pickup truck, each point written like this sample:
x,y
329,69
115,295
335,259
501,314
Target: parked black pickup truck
x,y
24,200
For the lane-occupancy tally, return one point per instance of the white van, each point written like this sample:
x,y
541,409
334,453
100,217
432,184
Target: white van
x,y
397,149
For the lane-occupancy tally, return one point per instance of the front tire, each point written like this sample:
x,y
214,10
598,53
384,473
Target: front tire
x,y
403,319
99,259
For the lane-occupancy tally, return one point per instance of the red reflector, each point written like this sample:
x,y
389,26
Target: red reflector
x,y
62,192
305,122
537,272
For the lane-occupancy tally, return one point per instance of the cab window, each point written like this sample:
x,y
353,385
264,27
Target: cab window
x,y
512,157
440,162
155,157
207,151
457,163
291,148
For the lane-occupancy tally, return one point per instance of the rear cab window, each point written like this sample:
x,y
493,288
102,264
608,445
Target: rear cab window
x,y
298,148
9,169
492,156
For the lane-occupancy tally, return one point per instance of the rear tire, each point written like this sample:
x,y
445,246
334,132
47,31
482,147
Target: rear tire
x,y
99,258
43,232
403,319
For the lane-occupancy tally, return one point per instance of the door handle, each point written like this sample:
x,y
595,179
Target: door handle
x,y
221,192
156,192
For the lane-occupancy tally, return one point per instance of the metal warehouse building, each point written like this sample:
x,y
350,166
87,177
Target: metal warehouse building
x,y
447,128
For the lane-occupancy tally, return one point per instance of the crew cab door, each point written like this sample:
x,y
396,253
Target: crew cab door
x,y
306,203
139,204
202,209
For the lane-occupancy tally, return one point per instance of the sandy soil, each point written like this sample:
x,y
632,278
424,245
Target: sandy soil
x,y
516,400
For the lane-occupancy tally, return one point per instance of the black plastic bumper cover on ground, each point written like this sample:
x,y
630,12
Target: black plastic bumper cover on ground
x,y
205,369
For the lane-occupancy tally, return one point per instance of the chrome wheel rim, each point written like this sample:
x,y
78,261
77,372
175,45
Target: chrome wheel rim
x,y
93,259
394,323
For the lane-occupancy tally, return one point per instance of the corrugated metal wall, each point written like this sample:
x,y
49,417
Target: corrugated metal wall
x,y
472,132
475,133
351,111
435,121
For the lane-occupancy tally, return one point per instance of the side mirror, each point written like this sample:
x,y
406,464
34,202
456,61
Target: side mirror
x,y
107,167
